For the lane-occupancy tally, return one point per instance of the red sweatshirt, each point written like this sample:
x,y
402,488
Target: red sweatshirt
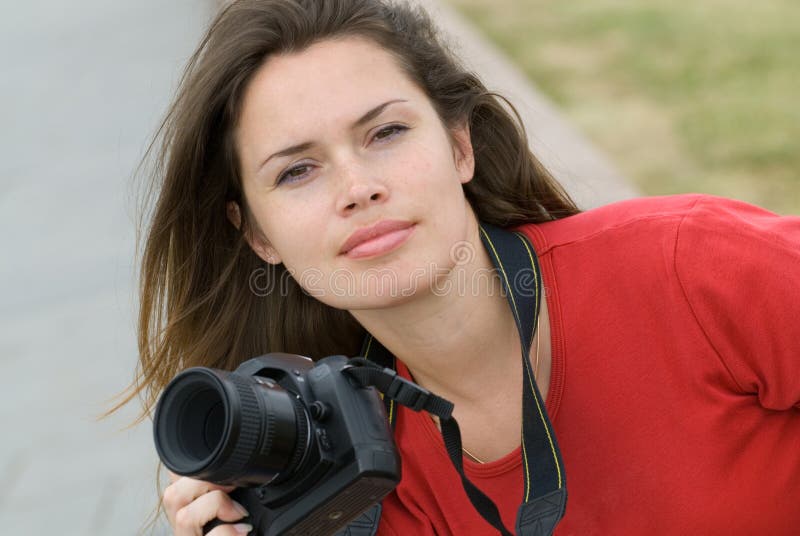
x,y
675,389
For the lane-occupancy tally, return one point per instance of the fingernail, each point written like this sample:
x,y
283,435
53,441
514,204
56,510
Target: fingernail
x,y
240,509
243,528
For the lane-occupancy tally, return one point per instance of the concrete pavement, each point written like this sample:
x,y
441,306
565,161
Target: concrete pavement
x,y
84,84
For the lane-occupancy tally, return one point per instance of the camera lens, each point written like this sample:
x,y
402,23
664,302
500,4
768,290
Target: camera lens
x,y
221,427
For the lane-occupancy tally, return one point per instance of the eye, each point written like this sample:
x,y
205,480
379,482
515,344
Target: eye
x,y
293,174
301,171
389,132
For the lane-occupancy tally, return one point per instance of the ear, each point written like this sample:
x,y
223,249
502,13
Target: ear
x,y
462,152
258,242
233,213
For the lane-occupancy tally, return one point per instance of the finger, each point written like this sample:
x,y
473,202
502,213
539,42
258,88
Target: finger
x,y
185,490
231,530
215,504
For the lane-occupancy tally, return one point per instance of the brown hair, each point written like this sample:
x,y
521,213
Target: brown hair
x,y
197,302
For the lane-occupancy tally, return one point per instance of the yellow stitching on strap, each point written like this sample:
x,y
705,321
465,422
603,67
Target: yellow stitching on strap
x,y
535,278
519,325
527,472
505,277
541,415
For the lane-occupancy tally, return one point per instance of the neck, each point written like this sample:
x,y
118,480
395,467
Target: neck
x,y
461,344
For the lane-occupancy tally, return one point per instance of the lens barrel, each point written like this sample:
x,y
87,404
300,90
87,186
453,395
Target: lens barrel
x,y
222,427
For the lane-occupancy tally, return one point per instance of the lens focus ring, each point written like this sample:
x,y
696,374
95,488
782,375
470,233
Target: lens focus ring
x,y
248,430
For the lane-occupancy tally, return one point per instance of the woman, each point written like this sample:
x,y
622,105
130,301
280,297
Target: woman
x,y
332,141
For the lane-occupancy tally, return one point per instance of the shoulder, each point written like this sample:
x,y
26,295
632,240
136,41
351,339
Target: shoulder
x,y
732,252
737,265
715,225
687,219
701,242
628,219
734,266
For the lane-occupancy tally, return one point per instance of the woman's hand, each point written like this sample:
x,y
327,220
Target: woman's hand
x,y
190,504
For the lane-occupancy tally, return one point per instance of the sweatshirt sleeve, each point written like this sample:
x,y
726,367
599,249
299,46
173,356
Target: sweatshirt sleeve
x,y
739,268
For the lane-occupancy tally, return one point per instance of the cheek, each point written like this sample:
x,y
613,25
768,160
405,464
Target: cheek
x,y
429,162
298,231
291,210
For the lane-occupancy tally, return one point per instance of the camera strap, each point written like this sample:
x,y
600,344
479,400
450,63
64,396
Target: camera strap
x,y
544,494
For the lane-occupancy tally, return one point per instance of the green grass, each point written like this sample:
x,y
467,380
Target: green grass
x,y
684,96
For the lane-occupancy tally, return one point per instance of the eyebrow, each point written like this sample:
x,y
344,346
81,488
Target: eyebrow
x,y
300,147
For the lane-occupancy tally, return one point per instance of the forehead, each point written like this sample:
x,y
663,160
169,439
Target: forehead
x,y
330,79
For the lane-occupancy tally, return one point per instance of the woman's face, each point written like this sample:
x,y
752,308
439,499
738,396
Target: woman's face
x,y
337,139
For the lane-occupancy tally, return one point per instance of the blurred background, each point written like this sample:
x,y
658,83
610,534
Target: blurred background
x,y
679,96
682,96
83,86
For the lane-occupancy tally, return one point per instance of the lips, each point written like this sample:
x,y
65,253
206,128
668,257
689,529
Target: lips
x,y
383,236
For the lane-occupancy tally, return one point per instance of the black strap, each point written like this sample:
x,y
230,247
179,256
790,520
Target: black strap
x,y
399,389
545,495
483,504
418,398
515,260
377,353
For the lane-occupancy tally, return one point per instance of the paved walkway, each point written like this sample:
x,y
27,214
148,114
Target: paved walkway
x,y
83,87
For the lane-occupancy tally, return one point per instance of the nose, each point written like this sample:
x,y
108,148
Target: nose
x,y
360,193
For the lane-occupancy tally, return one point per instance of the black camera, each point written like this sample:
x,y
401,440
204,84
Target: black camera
x,y
308,447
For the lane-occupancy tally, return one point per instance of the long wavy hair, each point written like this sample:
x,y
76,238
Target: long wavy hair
x,y
198,304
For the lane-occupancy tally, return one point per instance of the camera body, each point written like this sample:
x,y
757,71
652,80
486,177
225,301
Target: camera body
x,y
308,447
